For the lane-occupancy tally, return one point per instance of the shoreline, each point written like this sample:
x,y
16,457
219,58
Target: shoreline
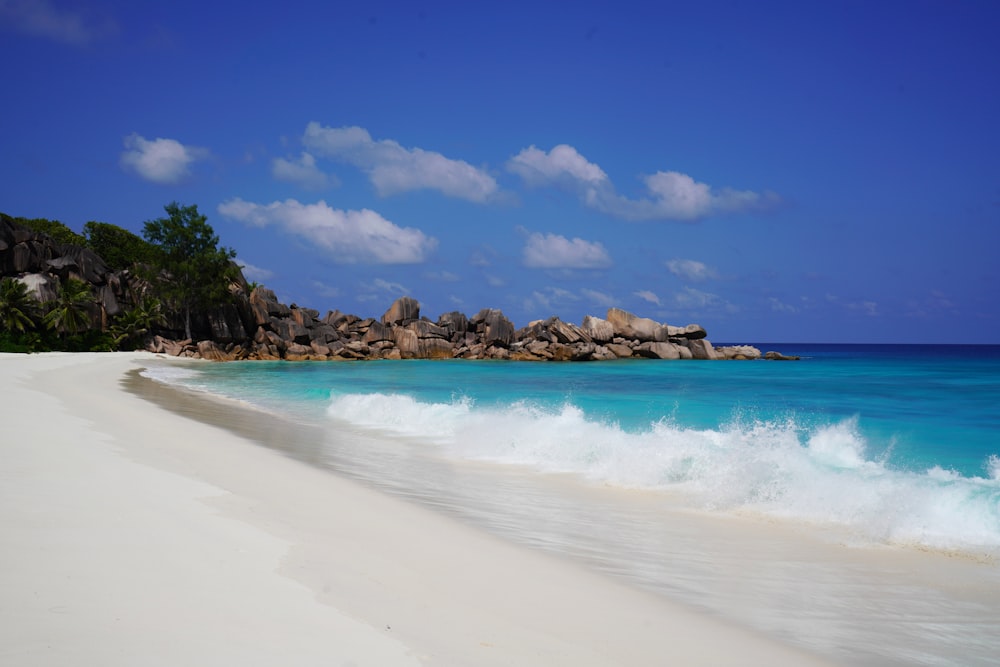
x,y
129,539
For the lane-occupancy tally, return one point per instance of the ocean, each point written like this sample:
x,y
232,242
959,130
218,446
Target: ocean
x,y
848,503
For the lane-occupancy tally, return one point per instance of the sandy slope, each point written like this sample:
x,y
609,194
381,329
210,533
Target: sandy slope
x,y
130,535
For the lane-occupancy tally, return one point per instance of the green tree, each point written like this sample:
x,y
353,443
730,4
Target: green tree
x,y
59,232
69,312
198,271
118,247
130,327
17,307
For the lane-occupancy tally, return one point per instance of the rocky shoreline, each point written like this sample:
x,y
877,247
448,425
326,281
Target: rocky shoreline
x,y
253,324
300,334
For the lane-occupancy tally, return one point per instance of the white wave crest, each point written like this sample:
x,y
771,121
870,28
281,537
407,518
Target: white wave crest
x,y
817,475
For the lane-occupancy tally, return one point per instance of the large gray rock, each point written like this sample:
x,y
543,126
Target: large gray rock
x,y
41,286
407,342
657,350
376,332
83,262
494,329
434,348
209,349
738,352
425,329
599,331
701,349
643,329
565,333
402,311
691,332
455,322
290,331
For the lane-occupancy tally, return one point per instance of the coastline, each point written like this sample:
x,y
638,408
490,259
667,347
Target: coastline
x,y
137,535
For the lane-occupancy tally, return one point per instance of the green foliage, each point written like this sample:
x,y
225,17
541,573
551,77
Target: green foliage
x,y
198,271
59,232
118,247
17,308
129,328
68,312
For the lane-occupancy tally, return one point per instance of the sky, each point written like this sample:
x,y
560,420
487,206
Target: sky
x,y
773,171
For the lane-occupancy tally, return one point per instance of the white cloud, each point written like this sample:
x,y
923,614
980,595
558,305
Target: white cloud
x,y
393,169
328,291
442,276
391,287
646,295
696,300
690,269
552,251
303,172
254,273
40,19
349,236
162,161
562,163
671,195
598,298
549,299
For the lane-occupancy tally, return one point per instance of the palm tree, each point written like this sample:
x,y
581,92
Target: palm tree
x,y
16,306
68,311
133,324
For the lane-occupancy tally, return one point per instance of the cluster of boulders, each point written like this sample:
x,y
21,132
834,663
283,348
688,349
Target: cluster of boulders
x,y
300,334
41,264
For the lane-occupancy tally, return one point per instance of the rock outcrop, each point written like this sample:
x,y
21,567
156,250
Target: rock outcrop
x,y
254,324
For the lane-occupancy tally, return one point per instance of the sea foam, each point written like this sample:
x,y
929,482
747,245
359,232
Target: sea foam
x,y
819,474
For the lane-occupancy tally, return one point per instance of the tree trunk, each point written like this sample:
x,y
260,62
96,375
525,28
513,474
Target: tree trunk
x,y
187,322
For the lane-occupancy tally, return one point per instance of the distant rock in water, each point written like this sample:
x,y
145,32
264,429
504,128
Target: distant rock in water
x,y
297,334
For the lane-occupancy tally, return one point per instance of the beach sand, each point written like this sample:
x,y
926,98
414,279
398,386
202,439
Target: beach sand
x,y
131,535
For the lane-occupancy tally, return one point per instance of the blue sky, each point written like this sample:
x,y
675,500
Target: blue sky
x,y
774,171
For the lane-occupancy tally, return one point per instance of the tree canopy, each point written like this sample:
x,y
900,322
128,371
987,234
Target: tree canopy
x,y
118,247
57,230
196,272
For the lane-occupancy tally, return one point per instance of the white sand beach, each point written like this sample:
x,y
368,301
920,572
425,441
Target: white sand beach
x,y
131,535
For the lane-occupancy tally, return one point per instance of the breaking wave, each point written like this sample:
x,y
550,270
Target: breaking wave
x,y
819,474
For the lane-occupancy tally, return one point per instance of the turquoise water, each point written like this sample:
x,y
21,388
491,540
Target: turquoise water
x,y
899,443
821,502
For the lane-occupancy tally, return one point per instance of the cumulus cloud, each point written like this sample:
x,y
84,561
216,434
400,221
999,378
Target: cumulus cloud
x,y
40,18
303,171
646,295
671,195
552,251
562,164
349,236
690,269
393,169
159,160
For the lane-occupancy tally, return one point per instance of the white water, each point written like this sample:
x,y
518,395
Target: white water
x,y
819,475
